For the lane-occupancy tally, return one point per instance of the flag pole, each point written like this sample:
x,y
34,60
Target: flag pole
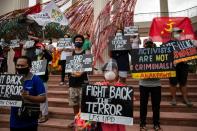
x,y
43,28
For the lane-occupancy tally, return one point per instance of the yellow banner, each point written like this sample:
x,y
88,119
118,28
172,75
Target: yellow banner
x,y
145,75
185,59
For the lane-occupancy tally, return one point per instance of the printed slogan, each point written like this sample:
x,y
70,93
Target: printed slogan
x,y
152,63
109,104
10,90
81,63
183,50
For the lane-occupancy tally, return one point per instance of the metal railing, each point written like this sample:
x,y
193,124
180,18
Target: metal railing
x,y
144,17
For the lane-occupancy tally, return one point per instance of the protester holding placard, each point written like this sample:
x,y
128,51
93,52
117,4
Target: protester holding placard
x,y
65,51
122,58
135,41
25,118
150,86
43,54
110,70
77,78
182,69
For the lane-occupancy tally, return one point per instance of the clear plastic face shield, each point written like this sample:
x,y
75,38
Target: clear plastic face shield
x,y
110,70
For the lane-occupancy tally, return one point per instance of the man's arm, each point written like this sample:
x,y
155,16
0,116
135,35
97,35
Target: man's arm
x,y
33,99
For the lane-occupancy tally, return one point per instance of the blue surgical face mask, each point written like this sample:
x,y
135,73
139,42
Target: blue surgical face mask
x,y
38,51
78,44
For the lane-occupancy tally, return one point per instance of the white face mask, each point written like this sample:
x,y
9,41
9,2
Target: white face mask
x,y
38,51
177,36
110,75
118,34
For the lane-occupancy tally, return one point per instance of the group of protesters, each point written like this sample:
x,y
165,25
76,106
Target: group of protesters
x,y
35,87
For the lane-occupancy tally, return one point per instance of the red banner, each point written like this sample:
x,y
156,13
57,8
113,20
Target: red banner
x,y
161,28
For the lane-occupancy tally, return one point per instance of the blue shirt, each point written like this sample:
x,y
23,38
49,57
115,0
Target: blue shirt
x,y
36,88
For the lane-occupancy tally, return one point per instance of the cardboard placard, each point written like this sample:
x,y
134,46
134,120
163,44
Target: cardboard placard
x,y
184,50
119,43
39,67
64,43
152,63
10,90
79,63
109,104
14,43
29,44
131,31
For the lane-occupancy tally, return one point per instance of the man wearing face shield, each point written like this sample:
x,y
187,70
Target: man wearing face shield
x,y
110,70
181,74
43,54
33,92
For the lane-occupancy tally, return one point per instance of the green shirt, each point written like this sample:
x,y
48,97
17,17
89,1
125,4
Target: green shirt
x,y
86,45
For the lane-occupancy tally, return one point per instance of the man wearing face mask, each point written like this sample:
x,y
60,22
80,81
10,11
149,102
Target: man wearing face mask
x,y
181,74
76,79
110,70
43,54
33,91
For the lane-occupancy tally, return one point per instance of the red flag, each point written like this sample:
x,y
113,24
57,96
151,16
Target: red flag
x,y
161,28
34,9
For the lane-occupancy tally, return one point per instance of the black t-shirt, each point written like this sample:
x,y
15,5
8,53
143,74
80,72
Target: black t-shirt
x,y
122,59
78,81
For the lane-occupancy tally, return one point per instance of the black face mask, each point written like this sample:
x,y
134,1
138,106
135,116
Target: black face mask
x,y
23,71
78,44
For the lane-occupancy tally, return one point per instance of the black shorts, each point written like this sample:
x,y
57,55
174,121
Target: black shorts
x,y
181,75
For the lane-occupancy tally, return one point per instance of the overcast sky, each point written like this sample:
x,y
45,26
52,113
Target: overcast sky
x,y
146,6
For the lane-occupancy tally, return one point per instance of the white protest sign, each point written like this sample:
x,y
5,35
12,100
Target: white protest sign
x,y
29,44
131,30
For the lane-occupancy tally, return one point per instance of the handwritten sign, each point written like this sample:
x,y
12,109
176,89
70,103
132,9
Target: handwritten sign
x,y
14,43
64,43
39,67
109,104
119,43
10,90
81,63
131,30
152,63
29,44
184,50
